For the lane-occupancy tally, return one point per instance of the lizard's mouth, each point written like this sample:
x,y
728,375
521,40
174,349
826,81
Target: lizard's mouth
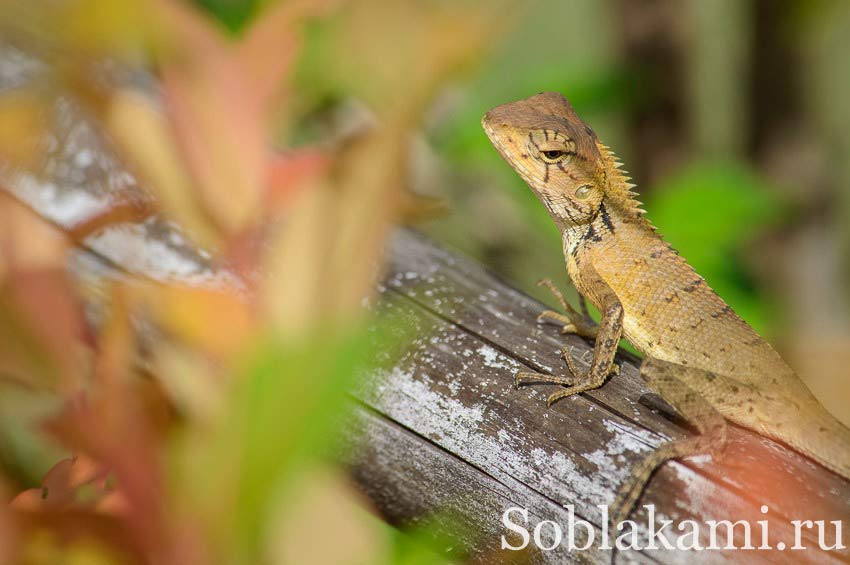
x,y
494,137
496,140
488,129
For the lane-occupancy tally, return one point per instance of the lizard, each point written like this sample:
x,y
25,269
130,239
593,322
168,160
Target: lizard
x,y
698,354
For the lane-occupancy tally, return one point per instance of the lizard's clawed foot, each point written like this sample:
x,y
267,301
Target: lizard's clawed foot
x,y
527,378
578,387
572,322
578,381
583,380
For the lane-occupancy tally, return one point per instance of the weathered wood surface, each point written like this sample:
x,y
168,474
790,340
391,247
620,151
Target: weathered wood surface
x,y
443,430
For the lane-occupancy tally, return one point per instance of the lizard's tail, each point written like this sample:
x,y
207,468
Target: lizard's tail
x,y
826,440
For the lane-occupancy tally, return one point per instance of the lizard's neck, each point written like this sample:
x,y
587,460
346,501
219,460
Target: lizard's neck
x,y
620,213
606,230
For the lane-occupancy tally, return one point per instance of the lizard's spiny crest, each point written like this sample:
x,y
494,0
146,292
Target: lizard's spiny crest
x,y
619,188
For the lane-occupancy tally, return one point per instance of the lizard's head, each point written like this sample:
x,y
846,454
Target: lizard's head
x,y
553,151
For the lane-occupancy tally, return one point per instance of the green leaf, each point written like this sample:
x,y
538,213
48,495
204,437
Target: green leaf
x,y
26,453
234,15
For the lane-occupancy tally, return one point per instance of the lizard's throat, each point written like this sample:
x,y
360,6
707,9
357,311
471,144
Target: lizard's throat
x,y
564,211
556,209
599,227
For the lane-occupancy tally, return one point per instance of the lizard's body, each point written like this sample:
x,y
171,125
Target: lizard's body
x,y
699,355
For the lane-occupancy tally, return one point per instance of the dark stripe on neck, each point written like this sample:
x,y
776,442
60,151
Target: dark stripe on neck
x,y
591,235
606,219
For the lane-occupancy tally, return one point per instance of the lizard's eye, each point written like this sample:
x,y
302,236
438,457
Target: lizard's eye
x,y
553,155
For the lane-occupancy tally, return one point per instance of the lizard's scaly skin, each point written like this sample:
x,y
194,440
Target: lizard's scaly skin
x,y
649,294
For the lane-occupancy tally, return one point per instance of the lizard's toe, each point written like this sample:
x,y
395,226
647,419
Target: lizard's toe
x,y
552,399
574,369
569,391
551,315
528,377
524,378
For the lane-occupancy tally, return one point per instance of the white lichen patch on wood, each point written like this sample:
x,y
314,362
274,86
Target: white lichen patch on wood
x,y
496,360
411,398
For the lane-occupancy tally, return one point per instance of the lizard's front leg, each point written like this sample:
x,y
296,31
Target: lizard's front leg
x,y
607,339
684,388
572,322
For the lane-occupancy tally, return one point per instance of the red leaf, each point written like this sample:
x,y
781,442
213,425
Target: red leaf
x,y
289,172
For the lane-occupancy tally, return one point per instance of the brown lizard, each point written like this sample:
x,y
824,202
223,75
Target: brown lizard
x,y
702,358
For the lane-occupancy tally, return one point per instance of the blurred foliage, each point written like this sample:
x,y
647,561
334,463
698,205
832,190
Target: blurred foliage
x,y
210,443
